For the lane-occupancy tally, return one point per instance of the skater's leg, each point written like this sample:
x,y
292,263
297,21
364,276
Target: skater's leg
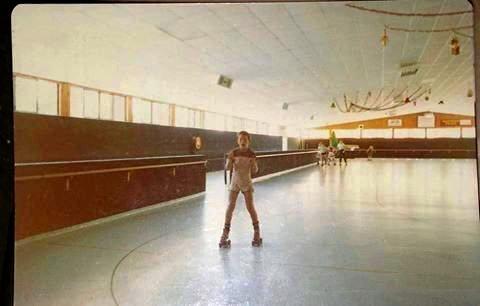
x,y
250,206
257,241
224,241
232,200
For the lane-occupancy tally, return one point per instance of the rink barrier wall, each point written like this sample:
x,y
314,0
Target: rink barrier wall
x,y
51,196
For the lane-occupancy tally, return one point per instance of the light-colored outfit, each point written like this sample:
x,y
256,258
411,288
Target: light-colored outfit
x,y
340,146
321,150
244,164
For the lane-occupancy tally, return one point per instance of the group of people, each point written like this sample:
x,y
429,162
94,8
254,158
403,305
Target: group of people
x,y
330,154
327,155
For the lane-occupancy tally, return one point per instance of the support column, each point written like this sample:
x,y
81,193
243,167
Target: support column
x,y
128,109
171,118
64,99
476,63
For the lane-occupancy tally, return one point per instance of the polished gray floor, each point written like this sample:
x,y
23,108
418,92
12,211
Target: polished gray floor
x,y
386,232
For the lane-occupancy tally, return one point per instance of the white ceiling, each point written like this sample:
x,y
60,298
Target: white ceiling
x,y
305,54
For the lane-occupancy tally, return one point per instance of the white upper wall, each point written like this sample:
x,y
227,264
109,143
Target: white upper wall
x,y
305,54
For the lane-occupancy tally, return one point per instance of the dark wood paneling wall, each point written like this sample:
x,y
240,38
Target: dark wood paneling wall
x,y
293,143
40,138
270,162
53,196
409,147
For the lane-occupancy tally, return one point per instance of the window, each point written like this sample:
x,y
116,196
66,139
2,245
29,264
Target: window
x,y
468,132
409,133
350,133
118,108
377,133
251,126
47,97
443,132
106,106
76,102
209,121
237,124
220,122
181,116
141,111
160,113
25,95
229,124
264,129
91,105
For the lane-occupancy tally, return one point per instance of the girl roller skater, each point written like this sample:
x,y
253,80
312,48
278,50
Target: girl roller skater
x,y
242,161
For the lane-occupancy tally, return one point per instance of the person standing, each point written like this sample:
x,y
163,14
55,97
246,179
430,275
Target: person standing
x,y
370,151
242,160
341,152
322,153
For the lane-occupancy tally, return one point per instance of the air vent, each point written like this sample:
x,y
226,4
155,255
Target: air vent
x,y
225,81
408,69
406,73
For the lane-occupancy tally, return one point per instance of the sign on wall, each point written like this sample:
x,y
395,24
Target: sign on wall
x,y
465,122
426,121
394,122
449,122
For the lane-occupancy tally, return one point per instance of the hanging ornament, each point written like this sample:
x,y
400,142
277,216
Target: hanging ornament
x,y
441,102
426,98
332,105
470,93
384,38
415,103
455,46
407,100
312,117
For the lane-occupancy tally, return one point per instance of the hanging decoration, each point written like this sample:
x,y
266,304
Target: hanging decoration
x,y
384,12
470,93
380,103
441,102
454,42
384,38
455,46
453,29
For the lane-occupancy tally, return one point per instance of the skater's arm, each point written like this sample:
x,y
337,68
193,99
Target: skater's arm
x,y
254,166
229,165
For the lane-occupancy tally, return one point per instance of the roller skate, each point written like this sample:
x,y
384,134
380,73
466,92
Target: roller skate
x,y
224,241
257,240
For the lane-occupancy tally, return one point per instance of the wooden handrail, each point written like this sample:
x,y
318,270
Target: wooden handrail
x,y
77,173
102,160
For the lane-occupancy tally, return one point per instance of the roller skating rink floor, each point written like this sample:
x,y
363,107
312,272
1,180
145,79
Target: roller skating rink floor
x,y
384,232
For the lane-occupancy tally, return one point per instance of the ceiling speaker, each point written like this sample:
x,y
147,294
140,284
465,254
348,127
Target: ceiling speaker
x,y
225,81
